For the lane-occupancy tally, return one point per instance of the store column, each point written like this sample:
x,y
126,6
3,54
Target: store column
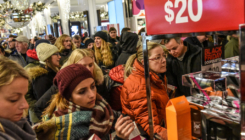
x,y
116,14
47,14
92,13
64,10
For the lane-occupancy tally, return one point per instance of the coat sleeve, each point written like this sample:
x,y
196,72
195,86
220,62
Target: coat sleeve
x,y
41,85
171,77
42,103
136,103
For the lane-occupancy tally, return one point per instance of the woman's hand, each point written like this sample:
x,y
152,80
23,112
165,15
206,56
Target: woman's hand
x,y
124,127
163,135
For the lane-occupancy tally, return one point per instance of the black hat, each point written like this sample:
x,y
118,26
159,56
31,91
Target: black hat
x,y
41,41
88,41
102,35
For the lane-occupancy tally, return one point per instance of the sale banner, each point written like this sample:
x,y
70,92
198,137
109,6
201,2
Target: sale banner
x,y
211,58
189,16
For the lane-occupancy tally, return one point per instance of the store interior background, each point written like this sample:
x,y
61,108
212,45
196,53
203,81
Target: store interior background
x,y
93,15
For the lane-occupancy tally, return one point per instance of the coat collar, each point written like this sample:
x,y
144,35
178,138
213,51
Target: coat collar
x,y
139,69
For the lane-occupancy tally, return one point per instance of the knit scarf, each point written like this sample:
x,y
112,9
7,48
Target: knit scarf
x,y
102,116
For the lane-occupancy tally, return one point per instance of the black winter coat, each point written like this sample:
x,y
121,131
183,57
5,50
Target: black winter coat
x,y
129,43
42,80
195,41
64,56
175,68
44,101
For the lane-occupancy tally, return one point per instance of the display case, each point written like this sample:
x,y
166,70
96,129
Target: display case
x,y
218,94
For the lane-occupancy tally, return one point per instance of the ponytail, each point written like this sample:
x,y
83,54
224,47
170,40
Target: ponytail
x,y
129,66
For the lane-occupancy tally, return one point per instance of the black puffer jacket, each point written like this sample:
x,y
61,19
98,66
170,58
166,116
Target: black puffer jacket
x,y
175,68
129,44
112,40
41,81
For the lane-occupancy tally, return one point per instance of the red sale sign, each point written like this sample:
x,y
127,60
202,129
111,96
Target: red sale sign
x,y
188,16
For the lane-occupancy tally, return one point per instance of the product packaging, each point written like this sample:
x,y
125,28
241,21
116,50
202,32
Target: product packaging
x,y
94,137
178,119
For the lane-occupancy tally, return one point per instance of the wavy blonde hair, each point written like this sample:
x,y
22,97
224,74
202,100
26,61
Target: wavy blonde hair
x,y
79,54
59,43
104,54
9,70
139,56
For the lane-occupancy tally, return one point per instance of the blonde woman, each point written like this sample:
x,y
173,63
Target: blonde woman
x,y
133,95
13,88
105,54
65,46
85,58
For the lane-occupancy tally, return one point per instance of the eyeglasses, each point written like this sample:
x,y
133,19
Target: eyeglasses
x,y
58,54
159,58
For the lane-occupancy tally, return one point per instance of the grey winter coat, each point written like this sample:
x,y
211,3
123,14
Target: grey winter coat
x,y
15,56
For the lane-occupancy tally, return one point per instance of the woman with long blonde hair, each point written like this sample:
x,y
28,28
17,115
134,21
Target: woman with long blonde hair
x,y
105,54
13,88
65,46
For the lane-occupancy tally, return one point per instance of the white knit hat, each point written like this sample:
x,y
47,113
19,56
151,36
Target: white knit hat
x,y
45,50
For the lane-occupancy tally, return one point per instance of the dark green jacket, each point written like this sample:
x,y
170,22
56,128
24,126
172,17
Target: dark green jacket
x,y
232,48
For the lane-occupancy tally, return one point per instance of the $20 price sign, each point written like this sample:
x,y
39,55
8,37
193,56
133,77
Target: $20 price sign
x,y
189,16
179,16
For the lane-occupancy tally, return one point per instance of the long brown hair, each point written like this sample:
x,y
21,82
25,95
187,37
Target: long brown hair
x,y
59,43
57,101
104,54
51,65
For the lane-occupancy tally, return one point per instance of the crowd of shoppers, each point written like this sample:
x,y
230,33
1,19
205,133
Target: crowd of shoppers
x,y
72,88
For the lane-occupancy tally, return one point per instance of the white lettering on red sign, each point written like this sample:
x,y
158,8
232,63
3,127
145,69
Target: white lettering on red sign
x,y
179,18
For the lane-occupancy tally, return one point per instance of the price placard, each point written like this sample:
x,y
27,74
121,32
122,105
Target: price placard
x,y
188,16
211,58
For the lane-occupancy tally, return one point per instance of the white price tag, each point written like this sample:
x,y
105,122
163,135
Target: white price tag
x,y
168,7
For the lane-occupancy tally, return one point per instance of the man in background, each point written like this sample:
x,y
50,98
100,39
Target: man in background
x,y
77,41
113,38
19,55
183,58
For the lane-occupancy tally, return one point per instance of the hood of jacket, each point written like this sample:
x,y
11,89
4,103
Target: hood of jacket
x,y
32,54
129,42
139,70
20,130
117,74
37,71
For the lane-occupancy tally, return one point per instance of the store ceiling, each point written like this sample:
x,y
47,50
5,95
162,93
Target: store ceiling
x,y
97,1
76,5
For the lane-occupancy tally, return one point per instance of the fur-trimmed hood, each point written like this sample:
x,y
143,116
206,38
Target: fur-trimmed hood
x,y
35,72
